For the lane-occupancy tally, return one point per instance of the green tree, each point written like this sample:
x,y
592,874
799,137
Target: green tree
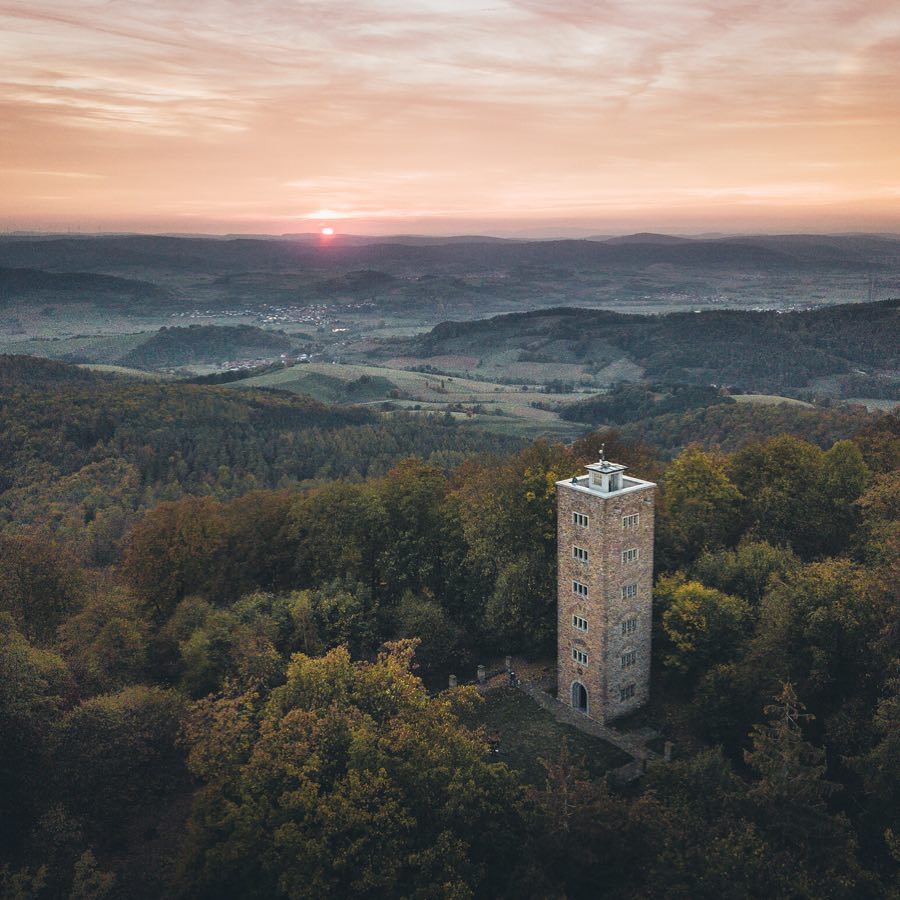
x,y
106,641
40,585
412,496
423,618
702,626
33,685
745,571
338,532
520,611
347,781
791,801
117,752
843,481
791,495
879,765
703,504
814,629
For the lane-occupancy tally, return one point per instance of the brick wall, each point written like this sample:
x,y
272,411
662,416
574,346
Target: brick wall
x,y
605,609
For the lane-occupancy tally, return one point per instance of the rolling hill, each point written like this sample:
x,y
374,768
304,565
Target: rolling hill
x,y
763,351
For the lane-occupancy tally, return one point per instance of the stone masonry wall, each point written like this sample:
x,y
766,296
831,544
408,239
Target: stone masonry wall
x,y
605,609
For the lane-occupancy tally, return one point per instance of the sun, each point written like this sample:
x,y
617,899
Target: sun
x,y
327,231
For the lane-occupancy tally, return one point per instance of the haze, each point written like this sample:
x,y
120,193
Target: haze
x,y
440,116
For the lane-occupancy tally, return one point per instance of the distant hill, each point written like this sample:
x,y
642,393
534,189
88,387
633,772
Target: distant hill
x,y
202,344
118,254
730,426
763,351
18,285
645,237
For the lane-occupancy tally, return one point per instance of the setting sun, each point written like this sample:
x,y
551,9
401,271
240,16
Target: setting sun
x,y
327,231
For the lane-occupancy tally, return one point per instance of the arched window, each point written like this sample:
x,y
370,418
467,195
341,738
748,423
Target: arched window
x,y
579,696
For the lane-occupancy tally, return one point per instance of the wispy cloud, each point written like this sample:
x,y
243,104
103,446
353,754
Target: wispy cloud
x,y
519,107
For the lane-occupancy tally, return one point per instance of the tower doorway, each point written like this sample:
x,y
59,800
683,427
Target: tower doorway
x,y
579,697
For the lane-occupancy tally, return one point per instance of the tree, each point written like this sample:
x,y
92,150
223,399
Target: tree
x,y
745,571
843,481
347,781
702,626
879,765
791,771
702,503
119,751
814,629
412,496
40,585
879,534
796,496
106,641
791,800
423,618
338,532
33,685
174,550
519,614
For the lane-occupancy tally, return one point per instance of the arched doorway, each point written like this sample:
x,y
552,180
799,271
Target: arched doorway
x,y
579,697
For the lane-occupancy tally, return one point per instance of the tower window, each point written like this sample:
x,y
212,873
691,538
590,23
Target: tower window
x,y
579,656
629,659
579,588
579,623
578,553
630,555
629,626
626,693
630,521
629,591
580,519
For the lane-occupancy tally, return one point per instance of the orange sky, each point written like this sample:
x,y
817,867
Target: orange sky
x,y
438,116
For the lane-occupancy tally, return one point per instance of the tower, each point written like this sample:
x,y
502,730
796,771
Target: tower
x,y
604,590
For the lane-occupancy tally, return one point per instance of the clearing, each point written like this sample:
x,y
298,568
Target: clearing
x,y
528,734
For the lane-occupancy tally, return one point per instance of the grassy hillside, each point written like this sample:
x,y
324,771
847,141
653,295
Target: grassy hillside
x,y
18,285
95,435
500,407
761,351
199,344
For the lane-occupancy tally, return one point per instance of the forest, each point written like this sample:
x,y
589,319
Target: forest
x,y
226,620
766,351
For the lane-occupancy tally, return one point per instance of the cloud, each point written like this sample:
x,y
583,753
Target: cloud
x,y
500,106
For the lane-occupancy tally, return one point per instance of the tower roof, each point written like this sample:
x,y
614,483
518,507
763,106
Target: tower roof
x,y
605,467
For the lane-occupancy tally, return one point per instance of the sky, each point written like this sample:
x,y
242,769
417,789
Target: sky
x,y
450,116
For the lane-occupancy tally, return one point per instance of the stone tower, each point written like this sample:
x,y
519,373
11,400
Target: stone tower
x,y
605,582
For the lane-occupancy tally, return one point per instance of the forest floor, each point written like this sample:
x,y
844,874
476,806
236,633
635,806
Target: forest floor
x,y
529,734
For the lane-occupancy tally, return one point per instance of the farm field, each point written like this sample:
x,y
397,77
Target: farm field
x,y
101,349
501,407
769,400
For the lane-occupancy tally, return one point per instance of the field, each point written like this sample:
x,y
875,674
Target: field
x,y
769,400
502,407
140,374
529,734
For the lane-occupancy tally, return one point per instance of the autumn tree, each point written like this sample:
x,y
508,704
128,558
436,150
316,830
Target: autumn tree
x,y
40,585
33,688
347,781
703,504
746,570
117,752
701,625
